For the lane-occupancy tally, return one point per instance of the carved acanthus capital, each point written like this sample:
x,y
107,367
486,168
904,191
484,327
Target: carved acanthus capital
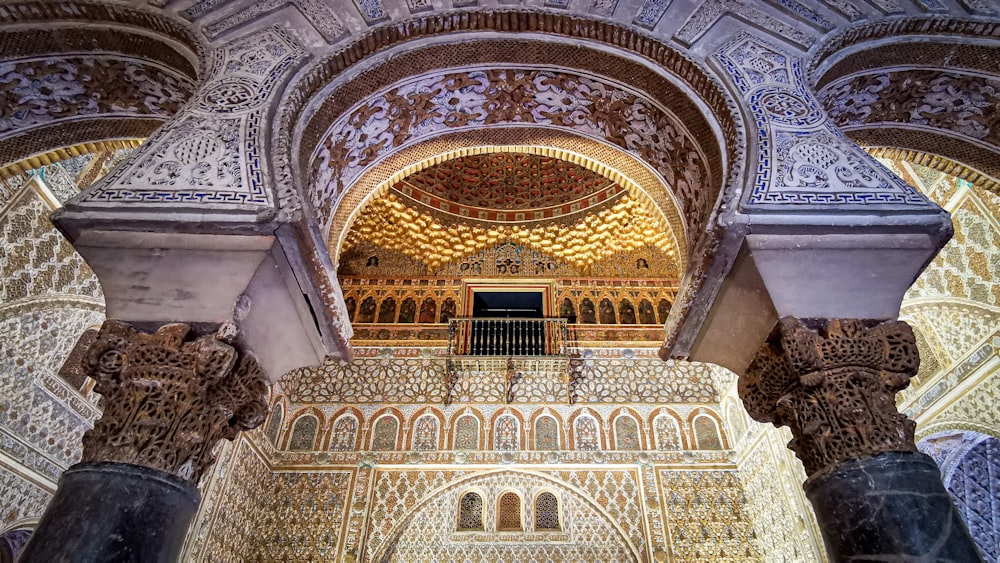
x,y
834,386
167,400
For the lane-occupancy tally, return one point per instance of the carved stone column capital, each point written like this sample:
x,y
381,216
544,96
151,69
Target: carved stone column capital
x,y
168,399
833,383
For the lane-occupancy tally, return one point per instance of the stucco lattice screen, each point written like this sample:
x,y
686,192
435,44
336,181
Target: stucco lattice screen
x,y
470,512
509,513
546,512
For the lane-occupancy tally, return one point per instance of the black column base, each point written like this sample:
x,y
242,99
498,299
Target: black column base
x,y
890,507
114,512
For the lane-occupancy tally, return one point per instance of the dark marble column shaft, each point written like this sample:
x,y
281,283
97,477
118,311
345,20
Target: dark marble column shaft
x,y
114,512
890,507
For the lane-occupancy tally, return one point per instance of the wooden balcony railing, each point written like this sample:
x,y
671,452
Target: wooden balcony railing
x,y
507,337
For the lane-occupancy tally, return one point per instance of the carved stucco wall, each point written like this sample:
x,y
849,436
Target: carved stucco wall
x,y
416,376
954,307
272,516
411,513
736,512
668,497
49,296
418,525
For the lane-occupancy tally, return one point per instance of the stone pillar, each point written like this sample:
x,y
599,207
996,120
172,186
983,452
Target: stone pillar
x,y
833,383
167,398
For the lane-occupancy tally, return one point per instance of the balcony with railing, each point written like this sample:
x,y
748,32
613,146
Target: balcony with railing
x,y
507,337
513,346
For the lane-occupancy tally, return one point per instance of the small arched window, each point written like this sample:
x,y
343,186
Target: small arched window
x,y
304,434
706,433
470,512
385,433
509,513
274,426
345,431
546,512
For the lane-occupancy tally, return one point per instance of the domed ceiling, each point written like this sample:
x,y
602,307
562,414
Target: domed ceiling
x,y
508,187
467,205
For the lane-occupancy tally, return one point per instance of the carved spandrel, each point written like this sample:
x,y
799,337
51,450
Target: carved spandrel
x,y
168,399
834,388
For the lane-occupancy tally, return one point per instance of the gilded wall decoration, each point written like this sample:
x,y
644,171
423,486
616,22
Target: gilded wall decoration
x,y
624,226
932,356
440,297
37,92
936,185
958,325
481,98
968,266
518,186
972,410
706,516
772,492
396,493
276,516
618,492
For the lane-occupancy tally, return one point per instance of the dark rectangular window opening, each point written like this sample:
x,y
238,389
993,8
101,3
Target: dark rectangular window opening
x,y
519,334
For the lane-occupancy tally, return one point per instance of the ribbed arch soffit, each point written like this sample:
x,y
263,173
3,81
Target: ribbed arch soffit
x,y
921,89
78,73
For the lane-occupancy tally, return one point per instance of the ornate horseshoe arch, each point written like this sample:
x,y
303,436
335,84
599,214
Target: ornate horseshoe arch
x,y
335,139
